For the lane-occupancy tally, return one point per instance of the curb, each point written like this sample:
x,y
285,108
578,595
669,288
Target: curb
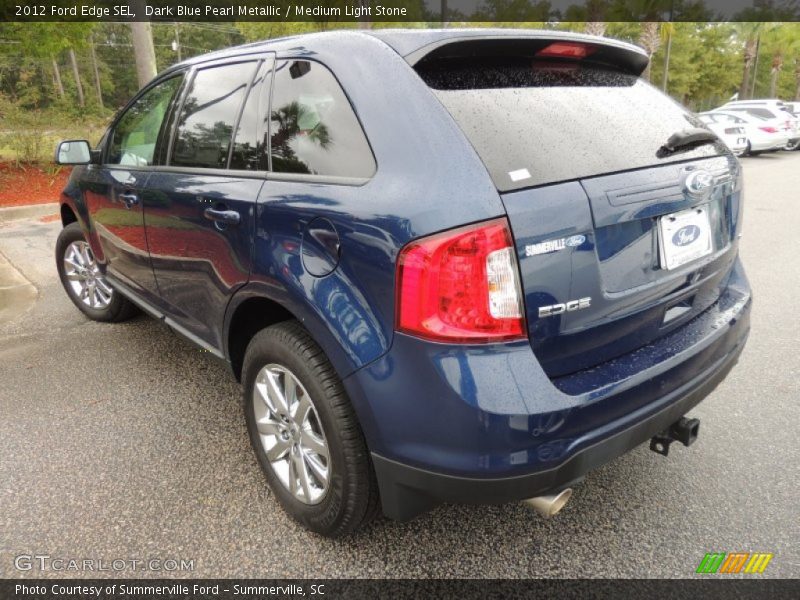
x,y
15,213
17,294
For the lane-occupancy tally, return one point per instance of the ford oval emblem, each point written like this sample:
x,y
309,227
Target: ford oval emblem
x,y
699,183
686,235
575,241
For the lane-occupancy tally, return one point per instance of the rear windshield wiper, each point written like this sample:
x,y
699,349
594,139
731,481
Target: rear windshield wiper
x,y
685,139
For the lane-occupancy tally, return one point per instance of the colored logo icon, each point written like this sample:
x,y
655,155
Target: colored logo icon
x,y
734,562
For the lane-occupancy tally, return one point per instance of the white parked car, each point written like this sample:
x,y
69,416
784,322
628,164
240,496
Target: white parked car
x,y
775,110
762,135
733,134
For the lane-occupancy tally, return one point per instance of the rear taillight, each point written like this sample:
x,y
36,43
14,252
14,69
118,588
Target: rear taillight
x,y
461,286
769,129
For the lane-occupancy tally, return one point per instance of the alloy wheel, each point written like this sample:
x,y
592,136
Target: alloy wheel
x,y
291,433
84,276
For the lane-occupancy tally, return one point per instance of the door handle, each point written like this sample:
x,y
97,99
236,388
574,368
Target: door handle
x,y
129,199
228,217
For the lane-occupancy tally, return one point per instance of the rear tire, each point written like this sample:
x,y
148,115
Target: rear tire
x,y
305,433
83,282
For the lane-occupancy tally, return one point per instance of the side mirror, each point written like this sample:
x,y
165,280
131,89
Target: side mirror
x,y
74,152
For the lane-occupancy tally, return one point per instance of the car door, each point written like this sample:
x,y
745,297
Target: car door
x,y
113,189
199,206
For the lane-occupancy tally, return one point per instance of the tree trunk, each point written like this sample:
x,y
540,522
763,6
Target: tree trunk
x,y
650,39
749,57
143,51
797,79
595,28
364,22
777,65
77,75
755,69
178,43
57,76
97,86
665,79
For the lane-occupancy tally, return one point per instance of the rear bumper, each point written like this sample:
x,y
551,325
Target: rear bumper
x,y
407,491
486,425
765,144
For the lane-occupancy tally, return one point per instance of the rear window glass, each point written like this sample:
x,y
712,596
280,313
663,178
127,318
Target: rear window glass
x,y
535,122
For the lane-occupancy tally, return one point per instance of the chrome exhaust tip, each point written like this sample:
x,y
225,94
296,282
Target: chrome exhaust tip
x,y
549,506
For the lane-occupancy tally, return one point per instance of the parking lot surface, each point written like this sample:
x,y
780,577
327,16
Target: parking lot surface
x,y
125,442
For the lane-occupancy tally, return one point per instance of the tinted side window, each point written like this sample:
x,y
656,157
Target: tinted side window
x,y
249,151
133,142
208,116
312,126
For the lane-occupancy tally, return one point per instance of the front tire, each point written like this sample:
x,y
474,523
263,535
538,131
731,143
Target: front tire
x,y
83,282
305,433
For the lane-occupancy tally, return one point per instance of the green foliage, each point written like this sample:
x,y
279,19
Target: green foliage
x,y
26,139
704,66
779,53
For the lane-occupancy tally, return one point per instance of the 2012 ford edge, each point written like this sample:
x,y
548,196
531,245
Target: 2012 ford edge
x,y
447,266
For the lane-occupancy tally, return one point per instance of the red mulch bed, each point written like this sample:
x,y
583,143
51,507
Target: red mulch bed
x,y
20,186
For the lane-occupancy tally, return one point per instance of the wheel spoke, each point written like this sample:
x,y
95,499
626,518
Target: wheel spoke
x,y
301,410
267,426
292,475
320,472
104,287
289,390
75,255
261,390
86,256
279,450
75,276
302,471
70,260
275,394
314,443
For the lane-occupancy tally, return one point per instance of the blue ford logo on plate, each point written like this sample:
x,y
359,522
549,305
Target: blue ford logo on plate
x,y
686,235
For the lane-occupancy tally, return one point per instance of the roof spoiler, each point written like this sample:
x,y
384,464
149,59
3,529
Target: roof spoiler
x,y
626,57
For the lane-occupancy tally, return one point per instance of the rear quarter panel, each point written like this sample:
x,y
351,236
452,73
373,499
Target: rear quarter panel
x,y
428,179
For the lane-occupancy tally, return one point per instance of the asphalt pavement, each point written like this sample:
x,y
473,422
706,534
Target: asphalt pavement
x,y
122,441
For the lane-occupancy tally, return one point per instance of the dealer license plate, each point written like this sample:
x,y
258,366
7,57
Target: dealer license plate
x,y
684,237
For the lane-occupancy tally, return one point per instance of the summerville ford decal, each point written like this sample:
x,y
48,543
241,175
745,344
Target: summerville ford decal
x,y
554,245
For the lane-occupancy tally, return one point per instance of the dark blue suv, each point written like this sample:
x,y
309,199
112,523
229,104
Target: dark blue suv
x,y
447,266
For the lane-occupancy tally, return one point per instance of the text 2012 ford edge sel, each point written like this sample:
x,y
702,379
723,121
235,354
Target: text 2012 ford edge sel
x,y
447,266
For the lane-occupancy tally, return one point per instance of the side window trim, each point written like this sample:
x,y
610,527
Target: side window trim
x,y
175,111
240,111
252,58
108,137
265,122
